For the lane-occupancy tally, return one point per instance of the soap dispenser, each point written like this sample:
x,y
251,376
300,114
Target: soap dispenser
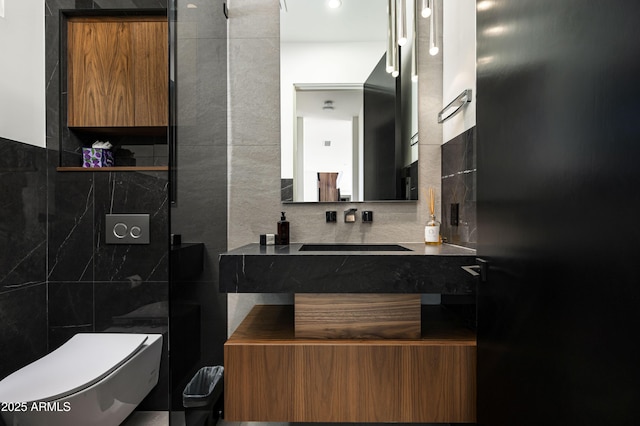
x,y
283,230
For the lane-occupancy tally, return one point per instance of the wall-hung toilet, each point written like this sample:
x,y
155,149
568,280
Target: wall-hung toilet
x,y
95,379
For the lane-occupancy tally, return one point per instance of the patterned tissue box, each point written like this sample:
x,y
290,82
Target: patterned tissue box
x,y
96,157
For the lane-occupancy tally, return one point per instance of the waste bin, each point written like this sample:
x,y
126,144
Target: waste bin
x,y
202,397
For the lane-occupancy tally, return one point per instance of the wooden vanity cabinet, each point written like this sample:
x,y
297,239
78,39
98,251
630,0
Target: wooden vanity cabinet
x,y
272,376
117,71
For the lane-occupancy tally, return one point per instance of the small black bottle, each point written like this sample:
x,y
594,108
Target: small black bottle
x,y
283,230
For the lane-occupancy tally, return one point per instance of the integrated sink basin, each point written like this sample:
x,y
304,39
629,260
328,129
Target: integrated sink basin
x,y
353,247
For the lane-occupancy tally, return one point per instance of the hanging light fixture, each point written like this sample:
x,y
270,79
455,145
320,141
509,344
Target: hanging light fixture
x,y
433,43
426,8
392,45
402,22
414,53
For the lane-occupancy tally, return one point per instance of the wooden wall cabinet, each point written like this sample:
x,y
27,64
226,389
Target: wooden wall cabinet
x,y
117,71
272,376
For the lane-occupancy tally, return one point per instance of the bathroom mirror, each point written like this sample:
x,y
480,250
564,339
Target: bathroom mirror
x,y
348,128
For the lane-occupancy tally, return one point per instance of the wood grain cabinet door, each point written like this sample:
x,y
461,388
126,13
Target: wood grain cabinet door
x,y
117,71
151,73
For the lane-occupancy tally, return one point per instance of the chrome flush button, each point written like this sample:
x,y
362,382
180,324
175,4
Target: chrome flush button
x,y
120,230
127,229
136,232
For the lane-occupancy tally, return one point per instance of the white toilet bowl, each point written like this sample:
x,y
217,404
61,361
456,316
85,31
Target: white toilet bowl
x,y
95,379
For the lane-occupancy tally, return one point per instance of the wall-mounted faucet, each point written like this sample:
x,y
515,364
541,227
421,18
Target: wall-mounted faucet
x,y
367,216
350,215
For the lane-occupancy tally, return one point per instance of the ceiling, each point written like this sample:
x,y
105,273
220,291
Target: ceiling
x,y
347,104
314,21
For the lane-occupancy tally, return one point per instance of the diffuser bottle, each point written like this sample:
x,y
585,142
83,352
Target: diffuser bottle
x,y
432,229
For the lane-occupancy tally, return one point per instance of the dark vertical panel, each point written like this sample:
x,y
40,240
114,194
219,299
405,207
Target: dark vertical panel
x,y
558,188
198,311
380,138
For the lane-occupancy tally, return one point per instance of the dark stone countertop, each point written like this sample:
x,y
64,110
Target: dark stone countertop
x,y
286,269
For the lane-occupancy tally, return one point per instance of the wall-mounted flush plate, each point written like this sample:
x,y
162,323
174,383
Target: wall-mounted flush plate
x,y
127,229
331,216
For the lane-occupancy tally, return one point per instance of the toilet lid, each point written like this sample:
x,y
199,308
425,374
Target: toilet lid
x,y
84,360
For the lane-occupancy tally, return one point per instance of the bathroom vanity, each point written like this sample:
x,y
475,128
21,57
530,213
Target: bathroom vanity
x,y
357,345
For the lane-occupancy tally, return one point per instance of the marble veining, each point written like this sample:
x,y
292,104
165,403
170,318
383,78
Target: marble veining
x,y
22,214
459,188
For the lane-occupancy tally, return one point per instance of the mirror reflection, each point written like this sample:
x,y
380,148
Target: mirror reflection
x,y
349,128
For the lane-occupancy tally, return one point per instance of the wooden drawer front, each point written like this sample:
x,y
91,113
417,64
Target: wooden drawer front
x,y
259,382
348,384
383,382
440,384
272,376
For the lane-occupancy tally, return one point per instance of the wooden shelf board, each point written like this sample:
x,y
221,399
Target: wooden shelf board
x,y
274,324
115,169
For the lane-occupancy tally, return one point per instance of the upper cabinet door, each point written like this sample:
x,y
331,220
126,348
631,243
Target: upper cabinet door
x,y
100,74
117,72
151,75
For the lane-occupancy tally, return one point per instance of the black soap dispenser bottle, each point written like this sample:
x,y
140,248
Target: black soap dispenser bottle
x,y
283,230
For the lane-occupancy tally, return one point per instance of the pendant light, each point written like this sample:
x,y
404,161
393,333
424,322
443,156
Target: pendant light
x,y
426,8
433,43
392,45
402,22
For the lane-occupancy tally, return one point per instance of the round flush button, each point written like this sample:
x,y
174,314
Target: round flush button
x,y
120,230
135,232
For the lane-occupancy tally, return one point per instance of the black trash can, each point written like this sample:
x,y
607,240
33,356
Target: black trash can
x,y
202,397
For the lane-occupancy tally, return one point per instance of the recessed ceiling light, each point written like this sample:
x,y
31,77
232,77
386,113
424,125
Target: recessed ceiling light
x,y
334,4
191,6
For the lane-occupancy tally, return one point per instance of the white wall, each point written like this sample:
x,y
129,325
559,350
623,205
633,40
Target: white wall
x,y
459,63
22,79
318,63
334,158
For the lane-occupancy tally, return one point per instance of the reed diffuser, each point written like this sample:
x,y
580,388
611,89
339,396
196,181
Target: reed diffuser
x,y
432,228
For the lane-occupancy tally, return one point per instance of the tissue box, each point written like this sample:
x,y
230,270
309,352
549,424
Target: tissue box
x,y
96,157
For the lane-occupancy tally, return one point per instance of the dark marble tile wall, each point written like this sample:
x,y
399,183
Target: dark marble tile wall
x,y
23,292
23,180
93,286
23,327
459,188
